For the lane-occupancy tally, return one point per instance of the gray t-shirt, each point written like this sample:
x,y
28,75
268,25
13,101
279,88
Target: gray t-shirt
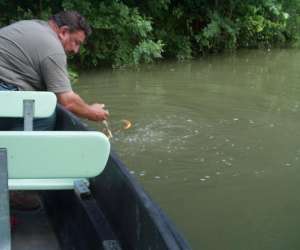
x,y
32,57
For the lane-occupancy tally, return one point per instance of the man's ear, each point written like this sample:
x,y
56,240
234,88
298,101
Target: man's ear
x,y
63,32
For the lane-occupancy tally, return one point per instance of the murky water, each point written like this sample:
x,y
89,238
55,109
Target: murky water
x,y
216,142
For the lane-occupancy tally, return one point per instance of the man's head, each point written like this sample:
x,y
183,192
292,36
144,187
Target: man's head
x,y
71,29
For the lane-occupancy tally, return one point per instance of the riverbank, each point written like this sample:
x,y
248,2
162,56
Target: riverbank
x,y
135,32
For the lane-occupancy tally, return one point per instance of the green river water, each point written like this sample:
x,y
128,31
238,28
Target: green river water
x,y
215,142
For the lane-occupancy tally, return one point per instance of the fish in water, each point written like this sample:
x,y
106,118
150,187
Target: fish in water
x,y
126,124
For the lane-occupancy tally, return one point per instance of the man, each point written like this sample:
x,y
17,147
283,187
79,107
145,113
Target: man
x,y
33,57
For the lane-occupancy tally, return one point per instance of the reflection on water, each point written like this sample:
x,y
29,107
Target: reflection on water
x,y
215,142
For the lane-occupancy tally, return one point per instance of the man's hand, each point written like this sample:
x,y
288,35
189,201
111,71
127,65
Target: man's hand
x,y
99,112
74,103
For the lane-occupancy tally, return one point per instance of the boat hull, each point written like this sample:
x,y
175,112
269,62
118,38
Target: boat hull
x,y
118,215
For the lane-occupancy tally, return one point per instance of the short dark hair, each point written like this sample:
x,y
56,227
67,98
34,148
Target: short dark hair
x,y
73,20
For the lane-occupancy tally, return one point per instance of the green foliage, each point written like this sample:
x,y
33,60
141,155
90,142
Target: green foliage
x,y
201,26
73,75
220,33
263,24
292,7
121,34
130,32
146,51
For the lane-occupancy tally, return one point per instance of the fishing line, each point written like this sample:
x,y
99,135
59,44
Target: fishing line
x,y
126,124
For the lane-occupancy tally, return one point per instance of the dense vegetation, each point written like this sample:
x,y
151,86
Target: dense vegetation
x,y
130,31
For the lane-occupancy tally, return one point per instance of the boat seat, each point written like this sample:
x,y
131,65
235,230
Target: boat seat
x,y
35,159
47,160
27,104
11,103
43,160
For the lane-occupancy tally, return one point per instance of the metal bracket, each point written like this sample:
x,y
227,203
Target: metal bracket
x,y
28,114
5,238
111,245
81,188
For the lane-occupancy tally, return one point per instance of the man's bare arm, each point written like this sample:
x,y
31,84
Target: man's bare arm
x,y
74,103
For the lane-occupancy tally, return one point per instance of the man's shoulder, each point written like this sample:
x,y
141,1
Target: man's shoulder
x,y
33,38
37,28
26,26
42,37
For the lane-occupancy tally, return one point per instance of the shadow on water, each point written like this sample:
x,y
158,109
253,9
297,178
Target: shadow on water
x,y
215,143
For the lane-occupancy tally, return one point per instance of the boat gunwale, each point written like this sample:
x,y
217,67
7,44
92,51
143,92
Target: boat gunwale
x,y
163,224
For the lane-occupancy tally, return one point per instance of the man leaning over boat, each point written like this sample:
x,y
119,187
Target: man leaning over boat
x,y
33,57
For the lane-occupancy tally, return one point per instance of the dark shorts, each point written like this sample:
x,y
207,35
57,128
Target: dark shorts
x,y
7,86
